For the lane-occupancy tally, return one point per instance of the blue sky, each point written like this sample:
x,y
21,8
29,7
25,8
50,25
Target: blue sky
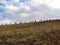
x,y
28,10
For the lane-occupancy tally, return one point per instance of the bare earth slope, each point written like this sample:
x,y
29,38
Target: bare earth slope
x,y
33,33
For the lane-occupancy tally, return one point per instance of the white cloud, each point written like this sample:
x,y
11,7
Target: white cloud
x,y
24,6
36,3
12,8
5,21
15,0
50,3
24,15
55,4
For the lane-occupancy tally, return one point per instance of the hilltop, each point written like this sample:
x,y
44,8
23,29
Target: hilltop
x,y
33,33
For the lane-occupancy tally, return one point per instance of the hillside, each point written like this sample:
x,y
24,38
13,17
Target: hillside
x,y
33,33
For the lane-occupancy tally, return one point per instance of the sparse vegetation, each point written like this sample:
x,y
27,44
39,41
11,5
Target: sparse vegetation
x,y
34,33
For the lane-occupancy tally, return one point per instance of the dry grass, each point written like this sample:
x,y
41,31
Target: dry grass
x,y
34,33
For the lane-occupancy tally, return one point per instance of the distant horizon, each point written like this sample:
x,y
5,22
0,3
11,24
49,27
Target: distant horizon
x,y
28,21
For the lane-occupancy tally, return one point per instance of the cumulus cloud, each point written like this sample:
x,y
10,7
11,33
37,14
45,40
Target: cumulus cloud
x,y
24,15
29,10
23,6
12,8
5,21
54,4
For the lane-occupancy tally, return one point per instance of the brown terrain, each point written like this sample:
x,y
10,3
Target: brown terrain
x,y
33,33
